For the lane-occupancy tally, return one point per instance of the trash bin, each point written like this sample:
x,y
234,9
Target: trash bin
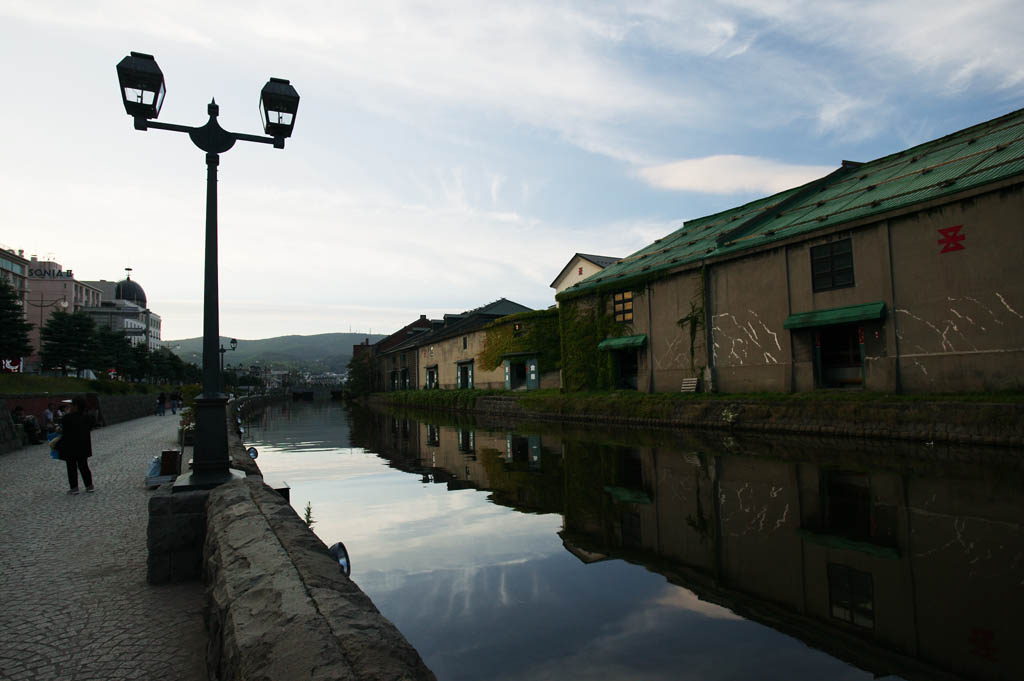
x,y
170,462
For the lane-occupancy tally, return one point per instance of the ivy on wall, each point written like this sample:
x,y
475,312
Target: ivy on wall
x,y
585,322
538,333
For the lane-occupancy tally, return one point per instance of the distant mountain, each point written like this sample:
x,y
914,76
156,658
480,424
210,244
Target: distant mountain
x,y
321,352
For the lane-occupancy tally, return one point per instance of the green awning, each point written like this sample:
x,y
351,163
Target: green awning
x,y
623,343
514,355
628,496
837,315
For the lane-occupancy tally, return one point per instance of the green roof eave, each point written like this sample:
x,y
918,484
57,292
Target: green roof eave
x,y
529,353
836,315
623,342
629,496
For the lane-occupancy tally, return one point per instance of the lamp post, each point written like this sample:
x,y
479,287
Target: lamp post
x,y
142,93
234,346
61,302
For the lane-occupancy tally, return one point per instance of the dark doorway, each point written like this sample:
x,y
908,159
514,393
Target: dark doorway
x,y
519,449
842,365
627,362
464,376
517,375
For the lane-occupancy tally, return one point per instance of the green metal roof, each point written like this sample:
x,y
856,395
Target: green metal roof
x,y
622,342
968,159
837,315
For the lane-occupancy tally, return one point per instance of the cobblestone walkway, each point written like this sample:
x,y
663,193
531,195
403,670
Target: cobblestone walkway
x,y
74,602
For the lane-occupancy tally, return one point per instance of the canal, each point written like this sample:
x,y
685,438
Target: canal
x,y
543,551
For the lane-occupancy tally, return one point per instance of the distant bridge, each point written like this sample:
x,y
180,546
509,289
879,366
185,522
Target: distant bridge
x,y
310,393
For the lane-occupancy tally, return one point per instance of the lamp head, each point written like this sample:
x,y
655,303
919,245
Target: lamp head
x,y
142,85
279,102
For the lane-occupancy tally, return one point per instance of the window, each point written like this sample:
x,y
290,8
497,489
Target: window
x,y
848,504
579,270
851,595
832,265
623,306
465,342
517,329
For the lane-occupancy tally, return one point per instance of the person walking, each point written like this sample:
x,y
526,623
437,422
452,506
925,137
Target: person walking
x,y
75,445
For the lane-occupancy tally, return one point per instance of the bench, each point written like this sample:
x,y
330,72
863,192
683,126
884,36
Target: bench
x,y
689,385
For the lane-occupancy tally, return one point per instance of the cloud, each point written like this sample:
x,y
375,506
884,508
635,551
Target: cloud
x,y
731,174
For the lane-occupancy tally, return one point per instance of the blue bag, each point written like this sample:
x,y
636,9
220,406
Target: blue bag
x,y
53,439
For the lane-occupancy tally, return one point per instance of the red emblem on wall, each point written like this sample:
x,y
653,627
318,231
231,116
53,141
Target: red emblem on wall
x,y
951,239
983,643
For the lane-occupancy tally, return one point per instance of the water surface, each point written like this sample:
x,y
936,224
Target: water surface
x,y
549,553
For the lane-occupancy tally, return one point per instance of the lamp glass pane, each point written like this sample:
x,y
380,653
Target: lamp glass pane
x,y
136,95
283,117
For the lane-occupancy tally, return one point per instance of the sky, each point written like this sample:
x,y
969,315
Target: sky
x,y
450,153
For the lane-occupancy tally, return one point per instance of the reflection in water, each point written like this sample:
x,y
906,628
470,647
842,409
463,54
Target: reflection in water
x,y
625,554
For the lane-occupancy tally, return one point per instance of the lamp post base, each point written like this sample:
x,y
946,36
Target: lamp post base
x,y
211,463
205,479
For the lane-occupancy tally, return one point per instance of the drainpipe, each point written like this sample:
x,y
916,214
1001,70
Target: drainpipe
x,y
650,341
895,323
789,311
708,334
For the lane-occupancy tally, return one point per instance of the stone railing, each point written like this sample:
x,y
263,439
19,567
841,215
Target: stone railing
x,y
279,608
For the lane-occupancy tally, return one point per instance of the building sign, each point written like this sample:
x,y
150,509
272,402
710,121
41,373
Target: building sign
x,y
951,239
50,274
11,366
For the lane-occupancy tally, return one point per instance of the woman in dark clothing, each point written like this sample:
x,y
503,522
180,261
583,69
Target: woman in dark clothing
x,y
75,445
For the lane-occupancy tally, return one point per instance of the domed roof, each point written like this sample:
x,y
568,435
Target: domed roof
x,y
130,291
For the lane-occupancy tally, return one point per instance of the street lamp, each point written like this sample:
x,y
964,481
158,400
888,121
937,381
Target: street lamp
x,y
142,93
61,302
234,346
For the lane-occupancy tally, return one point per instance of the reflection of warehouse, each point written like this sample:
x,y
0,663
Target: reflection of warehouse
x,y
123,308
894,571
897,274
892,563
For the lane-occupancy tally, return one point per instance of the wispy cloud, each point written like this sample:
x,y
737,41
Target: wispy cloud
x,y
433,135
731,174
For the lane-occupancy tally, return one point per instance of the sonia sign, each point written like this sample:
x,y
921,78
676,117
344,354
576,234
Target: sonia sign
x,y
39,273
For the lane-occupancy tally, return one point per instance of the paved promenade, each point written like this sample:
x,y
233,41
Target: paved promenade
x,y
74,602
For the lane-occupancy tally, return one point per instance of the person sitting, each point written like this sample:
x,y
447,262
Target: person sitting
x,y
28,423
50,418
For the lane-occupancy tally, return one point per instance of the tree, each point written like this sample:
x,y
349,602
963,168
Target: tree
x,y
143,362
360,375
67,341
14,328
168,367
112,350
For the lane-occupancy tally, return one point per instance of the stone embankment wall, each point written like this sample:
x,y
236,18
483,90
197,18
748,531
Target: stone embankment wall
x,y
279,607
948,422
